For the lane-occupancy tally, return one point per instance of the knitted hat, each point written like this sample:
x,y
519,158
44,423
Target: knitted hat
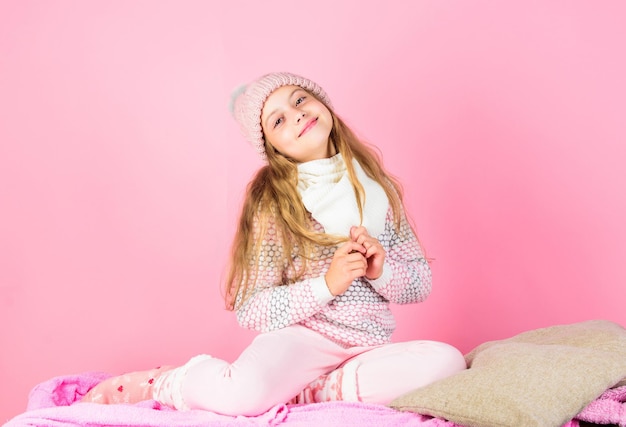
x,y
247,103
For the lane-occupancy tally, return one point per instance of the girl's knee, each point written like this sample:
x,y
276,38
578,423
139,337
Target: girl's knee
x,y
445,358
405,366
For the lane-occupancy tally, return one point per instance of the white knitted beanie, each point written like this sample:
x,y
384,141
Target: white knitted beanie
x,y
247,103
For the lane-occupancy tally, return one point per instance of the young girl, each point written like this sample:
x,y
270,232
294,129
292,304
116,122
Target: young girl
x,y
323,246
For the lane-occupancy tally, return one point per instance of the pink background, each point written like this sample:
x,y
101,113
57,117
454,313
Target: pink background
x,y
121,170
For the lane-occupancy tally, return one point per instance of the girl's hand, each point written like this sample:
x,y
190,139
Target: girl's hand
x,y
374,251
348,264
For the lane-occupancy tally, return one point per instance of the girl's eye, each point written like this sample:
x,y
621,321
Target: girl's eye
x,y
278,121
299,100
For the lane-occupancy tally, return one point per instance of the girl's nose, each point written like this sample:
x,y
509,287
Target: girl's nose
x,y
299,116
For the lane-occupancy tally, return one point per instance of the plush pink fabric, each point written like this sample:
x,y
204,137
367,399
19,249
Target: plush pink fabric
x,y
55,403
609,408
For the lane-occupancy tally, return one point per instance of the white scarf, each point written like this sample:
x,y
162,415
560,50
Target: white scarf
x,y
328,194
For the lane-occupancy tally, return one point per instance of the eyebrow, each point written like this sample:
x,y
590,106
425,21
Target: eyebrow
x,y
288,98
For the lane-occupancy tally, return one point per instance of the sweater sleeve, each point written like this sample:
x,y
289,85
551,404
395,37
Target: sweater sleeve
x,y
406,274
275,302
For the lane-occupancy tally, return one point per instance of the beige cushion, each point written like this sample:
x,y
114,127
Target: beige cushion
x,y
539,378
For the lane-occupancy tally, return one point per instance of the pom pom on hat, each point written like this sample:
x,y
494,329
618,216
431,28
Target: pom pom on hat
x,y
247,103
234,95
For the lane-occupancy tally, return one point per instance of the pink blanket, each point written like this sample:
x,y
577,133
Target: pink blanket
x,y
609,408
54,403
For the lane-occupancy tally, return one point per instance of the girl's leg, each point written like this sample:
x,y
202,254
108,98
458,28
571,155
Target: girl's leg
x,y
271,370
128,388
386,372
392,370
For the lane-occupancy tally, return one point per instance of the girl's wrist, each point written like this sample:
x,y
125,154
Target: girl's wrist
x,y
321,291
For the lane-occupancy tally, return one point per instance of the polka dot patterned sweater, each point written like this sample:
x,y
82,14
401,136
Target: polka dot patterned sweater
x,y
360,316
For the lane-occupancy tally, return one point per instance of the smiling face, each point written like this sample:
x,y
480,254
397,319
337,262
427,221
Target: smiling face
x,y
297,124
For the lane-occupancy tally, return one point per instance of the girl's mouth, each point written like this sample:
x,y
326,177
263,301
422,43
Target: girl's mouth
x,y
308,126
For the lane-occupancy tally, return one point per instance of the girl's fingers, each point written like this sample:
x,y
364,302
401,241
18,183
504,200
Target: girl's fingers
x,y
350,247
362,237
348,263
372,248
357,233
356,261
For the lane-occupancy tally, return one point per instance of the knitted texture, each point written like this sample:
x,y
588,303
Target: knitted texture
x,y
248,103
360,316
339,384
327,192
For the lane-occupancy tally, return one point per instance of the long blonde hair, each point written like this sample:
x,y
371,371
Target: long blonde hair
x,y
272,197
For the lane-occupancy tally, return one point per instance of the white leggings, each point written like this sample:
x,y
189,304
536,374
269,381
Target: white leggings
x,y
296,364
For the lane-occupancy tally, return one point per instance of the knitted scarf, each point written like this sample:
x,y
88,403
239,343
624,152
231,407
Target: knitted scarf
x,y
328,194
